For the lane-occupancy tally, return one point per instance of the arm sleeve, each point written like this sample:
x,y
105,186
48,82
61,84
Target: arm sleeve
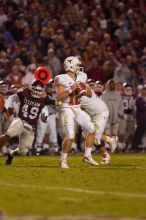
x,y
45,114
10,100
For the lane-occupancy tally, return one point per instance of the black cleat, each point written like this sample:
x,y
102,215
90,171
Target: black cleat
x,y
9,159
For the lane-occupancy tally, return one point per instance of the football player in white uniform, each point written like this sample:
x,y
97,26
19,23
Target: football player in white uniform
x,y
69,91
99,113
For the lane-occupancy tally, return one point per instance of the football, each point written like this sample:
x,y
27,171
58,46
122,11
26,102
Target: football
x,y
81,89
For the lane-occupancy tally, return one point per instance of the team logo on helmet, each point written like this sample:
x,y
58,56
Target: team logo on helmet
x,y
72,64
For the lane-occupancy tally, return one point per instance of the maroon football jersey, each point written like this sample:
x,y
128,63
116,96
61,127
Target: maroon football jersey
x,y
30,107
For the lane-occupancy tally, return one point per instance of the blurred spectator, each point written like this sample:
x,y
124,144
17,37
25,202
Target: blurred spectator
x,y
99,88
15,77
54,63
3,16
115,105
122,33
19,64
141,119
122,73
110,64
105,34
127,125
4,64
29,77
96,72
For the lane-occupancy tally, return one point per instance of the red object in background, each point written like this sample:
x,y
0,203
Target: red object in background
x,y
42,74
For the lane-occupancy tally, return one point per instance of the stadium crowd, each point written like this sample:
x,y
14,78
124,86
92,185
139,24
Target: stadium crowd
x,y
108,36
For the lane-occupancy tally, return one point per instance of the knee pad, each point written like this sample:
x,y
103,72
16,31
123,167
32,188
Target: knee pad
x,y
70,135
98,138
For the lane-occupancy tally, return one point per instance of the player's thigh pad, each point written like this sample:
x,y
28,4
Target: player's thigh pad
x,y
15,128
100,121
84,120
41,130
52,129
68,122
25,141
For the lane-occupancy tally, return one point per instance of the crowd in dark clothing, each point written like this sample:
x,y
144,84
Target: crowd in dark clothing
x,y
107,35
103,33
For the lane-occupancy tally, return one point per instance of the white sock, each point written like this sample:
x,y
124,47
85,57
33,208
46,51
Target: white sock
x,y
12,152
63,156
87,151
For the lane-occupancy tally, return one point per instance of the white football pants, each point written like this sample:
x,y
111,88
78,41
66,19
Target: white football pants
x,y
25,133
100,121
70,116
50,128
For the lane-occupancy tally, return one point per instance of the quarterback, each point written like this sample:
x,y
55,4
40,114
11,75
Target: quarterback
x,y
70,89
32,104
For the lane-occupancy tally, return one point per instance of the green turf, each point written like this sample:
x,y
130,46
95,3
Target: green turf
x,y
37,186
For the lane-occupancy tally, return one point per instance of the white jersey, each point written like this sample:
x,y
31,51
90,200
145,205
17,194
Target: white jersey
x,y
73,100
93,105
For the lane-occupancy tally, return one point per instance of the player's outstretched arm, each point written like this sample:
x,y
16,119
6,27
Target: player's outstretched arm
x,y
62,93
10,100
88,91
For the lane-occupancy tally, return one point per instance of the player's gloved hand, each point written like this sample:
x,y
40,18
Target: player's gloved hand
x,y
44,117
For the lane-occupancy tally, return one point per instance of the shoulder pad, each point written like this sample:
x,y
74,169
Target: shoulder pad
x,y
59,79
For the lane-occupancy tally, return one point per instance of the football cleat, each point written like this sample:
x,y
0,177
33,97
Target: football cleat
x,y
106,160
63,164
9,159
90,160
113,143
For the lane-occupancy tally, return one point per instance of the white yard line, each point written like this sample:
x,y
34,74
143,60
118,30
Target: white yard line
x,y
69,218
78,190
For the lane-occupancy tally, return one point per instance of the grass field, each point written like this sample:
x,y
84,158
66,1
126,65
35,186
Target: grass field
x,y
36,186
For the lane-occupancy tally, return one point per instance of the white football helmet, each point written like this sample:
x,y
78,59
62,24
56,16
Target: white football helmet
x,y
73,64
